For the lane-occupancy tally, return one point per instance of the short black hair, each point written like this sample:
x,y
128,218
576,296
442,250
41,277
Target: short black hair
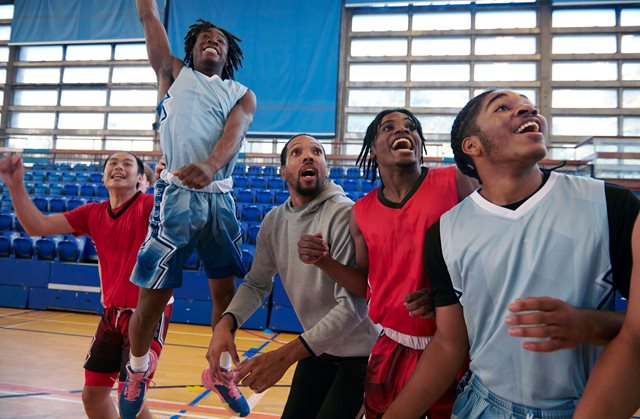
x,y
283,153
234,52
464,126
138,161
364,161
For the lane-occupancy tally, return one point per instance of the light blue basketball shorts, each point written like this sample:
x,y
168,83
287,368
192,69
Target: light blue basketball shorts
x,y
477,402
183,220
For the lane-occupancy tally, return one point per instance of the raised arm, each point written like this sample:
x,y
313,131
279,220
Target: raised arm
x,y
313,249
613,389
163,63
437,367
199,175
34,222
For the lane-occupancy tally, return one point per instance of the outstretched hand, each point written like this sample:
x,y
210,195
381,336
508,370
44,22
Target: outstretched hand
x,y
195,175
556,321
419,303
312,248
221,341
12,170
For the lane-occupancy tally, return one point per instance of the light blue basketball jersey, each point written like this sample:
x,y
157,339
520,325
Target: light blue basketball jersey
x,y
192,116
556,244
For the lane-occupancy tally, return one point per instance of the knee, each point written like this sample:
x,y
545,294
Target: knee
x,y
95,403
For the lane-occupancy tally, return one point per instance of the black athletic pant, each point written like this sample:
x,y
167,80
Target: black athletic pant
x,y
328,387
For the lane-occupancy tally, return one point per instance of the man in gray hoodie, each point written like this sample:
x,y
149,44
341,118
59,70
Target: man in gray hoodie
x,y
332,352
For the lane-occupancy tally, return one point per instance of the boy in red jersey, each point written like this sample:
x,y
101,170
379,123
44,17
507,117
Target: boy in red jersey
x,y
388,227
117,227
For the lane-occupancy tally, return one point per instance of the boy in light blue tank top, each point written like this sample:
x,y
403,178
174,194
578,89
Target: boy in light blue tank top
x,y
532,254
204,115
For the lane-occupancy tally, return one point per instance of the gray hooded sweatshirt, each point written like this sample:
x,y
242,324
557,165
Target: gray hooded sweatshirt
x,y
334,320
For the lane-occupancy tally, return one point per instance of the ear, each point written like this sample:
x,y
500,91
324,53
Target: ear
x,y
472,146
283,174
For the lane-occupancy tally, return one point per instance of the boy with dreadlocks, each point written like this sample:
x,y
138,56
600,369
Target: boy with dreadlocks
x,y
204,113
388,227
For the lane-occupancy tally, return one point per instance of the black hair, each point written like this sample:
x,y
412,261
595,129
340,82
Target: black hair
x,y
364,161
138,161
283,153
234,53
464,126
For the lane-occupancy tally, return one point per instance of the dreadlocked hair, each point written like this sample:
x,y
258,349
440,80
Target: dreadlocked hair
x,y
234,53
364,161
464,126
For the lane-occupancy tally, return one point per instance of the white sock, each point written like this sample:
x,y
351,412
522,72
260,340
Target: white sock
x,y
225,361
139,363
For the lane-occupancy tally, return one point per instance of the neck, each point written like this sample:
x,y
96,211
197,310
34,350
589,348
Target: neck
x,y
118,197
209,69
508,187
398,182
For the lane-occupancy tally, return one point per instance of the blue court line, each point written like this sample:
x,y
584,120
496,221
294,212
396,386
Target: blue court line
x,y
248,354
11,396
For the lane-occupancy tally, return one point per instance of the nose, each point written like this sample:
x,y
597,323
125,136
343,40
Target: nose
x,y
526,109
308,157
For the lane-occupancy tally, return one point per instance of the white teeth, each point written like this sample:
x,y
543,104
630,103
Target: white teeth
x,y
403,143
210,49
527,125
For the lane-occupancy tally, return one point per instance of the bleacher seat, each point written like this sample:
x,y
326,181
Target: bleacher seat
x,y
71,189
41,189
350,185
75,203
102,191
281,196
23,247
239,170
5,246
274,182
270,171
68,177
254,170
95,177
251,213
241,182
55,189
7,222
258,182
87,189
244,196
83,178
6,204
266,208
41,203
54,176
264,196
58,204
353,172
247,257
192,263
71,248
89,254
337,172
252,234
45,248
244,226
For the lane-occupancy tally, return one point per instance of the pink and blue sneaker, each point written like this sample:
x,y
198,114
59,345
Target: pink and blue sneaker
x,y
227,391
135,387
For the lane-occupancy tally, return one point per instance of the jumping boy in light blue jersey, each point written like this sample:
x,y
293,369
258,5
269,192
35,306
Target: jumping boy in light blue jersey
x,y
204,115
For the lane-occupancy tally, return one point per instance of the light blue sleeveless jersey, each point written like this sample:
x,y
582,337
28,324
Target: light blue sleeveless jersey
x,y
556,244
192,116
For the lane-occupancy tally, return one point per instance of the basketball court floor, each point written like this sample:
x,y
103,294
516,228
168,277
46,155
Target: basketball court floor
x,y
41,374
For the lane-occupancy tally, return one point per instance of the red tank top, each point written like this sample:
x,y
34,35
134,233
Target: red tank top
x,y
394,234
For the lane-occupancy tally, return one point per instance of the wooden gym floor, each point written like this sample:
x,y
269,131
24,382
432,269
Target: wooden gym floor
x,y
41,374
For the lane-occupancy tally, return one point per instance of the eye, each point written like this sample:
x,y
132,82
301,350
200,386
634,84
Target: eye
x,y
387,128
411,126
502,108
318,152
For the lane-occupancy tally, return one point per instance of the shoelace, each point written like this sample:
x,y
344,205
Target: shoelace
x,y
134,386
234,391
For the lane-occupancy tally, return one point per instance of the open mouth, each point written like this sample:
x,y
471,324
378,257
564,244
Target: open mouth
x,y
211,50
118,176
528,127
402,144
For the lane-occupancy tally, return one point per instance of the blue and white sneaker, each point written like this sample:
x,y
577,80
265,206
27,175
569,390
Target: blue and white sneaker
x,y
227,391
135,387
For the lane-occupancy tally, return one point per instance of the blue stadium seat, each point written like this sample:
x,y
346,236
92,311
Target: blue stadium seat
x,y
245,196
192,263
68,177
5,246
7,222
244,226
89,254
71,189
41,189
353,172
75,203
254,170
251,213
266,208
6,205
71,248
264,196
102,191
45,248
350,185
252,234
58,204
83,178
241,182
239,170
41,203
258,182
270,171
95,177
247,257
54,176
87,189
274,182
55,189
281,196
337,172
23,248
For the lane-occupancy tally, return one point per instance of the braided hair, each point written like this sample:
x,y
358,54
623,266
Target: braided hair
x,y
234,53
364,161
464,126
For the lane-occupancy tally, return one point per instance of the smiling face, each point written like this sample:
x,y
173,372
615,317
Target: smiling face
x,y
509,128
305,168
210,49
397,142
121,172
